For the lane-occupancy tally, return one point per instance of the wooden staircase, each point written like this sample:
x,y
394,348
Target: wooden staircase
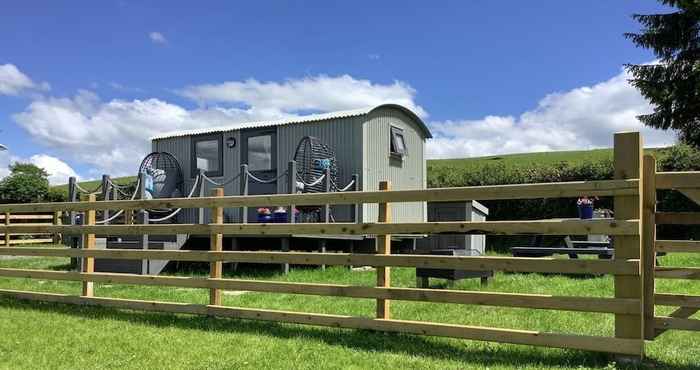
x,y
142,267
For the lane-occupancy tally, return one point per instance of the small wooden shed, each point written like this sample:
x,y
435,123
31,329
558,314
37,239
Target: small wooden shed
x,y
384,142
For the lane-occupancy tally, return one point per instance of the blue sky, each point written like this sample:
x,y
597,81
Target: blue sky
x,y
119,71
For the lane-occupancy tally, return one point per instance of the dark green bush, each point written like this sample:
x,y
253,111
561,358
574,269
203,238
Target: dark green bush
x,y
676,158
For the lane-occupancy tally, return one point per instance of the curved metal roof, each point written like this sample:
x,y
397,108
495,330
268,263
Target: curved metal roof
x,y
300,119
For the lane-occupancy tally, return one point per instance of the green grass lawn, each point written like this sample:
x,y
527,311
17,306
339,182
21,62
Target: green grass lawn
x,y
43,335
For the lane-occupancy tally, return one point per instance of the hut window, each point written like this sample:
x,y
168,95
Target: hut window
x,y
207,155
260,153
398,143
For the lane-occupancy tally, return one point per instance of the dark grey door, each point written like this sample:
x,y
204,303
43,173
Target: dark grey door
x,y
259,151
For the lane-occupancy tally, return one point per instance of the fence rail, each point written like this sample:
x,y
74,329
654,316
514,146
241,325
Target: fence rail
x,y
10,237
492,192
688,183
628,304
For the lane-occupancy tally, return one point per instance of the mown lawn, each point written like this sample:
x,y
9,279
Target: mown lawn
x,y
41,335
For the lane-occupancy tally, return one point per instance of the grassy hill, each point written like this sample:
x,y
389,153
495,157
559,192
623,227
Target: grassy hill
x,y
94,184
524,159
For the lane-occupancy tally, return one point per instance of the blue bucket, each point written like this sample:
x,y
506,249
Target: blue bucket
x,y
585,211
279,217
263,218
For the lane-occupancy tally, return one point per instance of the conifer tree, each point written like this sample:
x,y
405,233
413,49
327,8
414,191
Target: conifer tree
x,y
672,85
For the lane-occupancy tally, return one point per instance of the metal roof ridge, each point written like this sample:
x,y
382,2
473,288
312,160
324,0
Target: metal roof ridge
x,y
278,122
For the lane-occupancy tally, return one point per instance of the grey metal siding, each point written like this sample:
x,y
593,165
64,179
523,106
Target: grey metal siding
x,y
361,145
378,164
343,135
181,148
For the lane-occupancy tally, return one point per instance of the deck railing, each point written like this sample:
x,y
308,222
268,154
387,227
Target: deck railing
x,y
625,303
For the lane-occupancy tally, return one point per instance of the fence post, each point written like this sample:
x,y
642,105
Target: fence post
x,y
327,207
356,206
202,194
244,191
105,195
216,245
144,220
7,234
72,197
648,257
628,165
57,221
292,189
129,213
384,247
89,243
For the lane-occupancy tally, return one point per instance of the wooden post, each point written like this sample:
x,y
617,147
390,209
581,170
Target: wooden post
x,y
200,217
73,239
244,191
327,207
384,247
143,218
89,243
216,245
7,234
105,195
628,165
292,189
356,206
648,257
57,221
72,197
115,196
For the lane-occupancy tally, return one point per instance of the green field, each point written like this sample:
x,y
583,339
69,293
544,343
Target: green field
x,y
523,160
94,184
531,160
41,335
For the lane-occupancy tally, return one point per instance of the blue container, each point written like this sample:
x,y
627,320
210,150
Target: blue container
x,y
585,211
264,218
279,217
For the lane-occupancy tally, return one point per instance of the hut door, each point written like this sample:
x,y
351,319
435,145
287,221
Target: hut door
x,y
259,151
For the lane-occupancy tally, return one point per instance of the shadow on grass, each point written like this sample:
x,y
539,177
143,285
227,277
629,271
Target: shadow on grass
x,y
484,355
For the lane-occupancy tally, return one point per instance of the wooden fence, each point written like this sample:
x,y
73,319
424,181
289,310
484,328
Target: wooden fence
x,y
626,303
45,219
687,183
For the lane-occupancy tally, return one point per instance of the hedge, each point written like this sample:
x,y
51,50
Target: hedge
x,y
676,158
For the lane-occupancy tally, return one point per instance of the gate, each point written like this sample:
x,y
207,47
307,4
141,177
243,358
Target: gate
x,y
687,183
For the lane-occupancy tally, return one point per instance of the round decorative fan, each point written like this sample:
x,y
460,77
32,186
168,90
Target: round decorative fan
x,y
166,173
313,158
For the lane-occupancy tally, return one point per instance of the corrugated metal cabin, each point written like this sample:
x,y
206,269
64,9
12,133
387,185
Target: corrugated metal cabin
x,y
365,142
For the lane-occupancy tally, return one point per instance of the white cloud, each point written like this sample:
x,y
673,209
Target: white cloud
x,y
582,118
157,38
319,93
58,170
4,162
112,136
14,82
